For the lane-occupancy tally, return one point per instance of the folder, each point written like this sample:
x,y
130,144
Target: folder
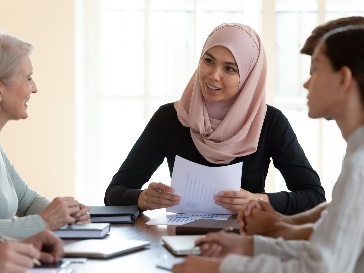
x,y
113,214
103,249
91,230
203,226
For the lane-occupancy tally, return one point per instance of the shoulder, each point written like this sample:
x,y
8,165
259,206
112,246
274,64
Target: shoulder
x,y
167,108
165,113
275,119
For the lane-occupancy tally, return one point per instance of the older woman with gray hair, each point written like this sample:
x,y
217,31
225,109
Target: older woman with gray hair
x,y
23,212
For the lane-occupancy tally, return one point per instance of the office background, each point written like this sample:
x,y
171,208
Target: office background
x,y
102,68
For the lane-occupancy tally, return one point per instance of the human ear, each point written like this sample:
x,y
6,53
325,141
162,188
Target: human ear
x,y
346,78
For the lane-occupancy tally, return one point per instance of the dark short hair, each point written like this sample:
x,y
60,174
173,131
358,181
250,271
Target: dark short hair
x,y
345,47
318,32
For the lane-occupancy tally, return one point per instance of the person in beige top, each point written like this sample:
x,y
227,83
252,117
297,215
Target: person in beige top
x,y
268,222
23,212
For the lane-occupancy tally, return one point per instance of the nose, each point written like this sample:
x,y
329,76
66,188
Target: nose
x,y
34,88
306,84
215,74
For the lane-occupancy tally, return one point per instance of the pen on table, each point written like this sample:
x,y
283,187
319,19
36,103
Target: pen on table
x,y
4,239
228,229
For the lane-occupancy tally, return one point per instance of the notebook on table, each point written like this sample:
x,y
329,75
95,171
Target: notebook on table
x,y
102,249
91,230
203,226
113,214
181,245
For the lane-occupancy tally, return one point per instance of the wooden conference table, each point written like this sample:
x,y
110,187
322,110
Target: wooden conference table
x,y
143,261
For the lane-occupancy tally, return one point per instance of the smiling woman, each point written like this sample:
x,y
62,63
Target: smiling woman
x,y
218,74
23,212
15,93
221,119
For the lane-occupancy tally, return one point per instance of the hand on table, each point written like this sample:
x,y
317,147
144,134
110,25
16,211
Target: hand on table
x,y
235,201
17,256
82,216
258,217
220,244
62,211
156,196
49,246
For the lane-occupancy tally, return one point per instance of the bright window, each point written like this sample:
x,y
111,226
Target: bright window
x,y
134,56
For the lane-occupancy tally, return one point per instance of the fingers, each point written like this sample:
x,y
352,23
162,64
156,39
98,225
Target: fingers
x,y
251,205
18,255
60,212
158,195
160,187
241,221
51,246
265,206
233,201
82,216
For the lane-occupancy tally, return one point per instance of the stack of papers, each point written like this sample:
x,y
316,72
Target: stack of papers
x,y
197,185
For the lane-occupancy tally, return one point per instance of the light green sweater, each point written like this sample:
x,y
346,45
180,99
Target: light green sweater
x,y
19,204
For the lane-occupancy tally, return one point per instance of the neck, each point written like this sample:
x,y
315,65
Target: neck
x,y
2,123
352,118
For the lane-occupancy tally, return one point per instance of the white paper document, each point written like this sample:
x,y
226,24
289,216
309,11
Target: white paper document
x,y
197,185
181,219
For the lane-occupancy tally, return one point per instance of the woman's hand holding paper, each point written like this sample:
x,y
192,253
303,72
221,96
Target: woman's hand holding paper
x,y
156,196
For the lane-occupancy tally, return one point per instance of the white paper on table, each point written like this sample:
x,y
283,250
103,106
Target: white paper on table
x,y
181,219
197,185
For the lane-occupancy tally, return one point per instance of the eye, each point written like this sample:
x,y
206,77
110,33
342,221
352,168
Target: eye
x,y
30,79
231,69
208,60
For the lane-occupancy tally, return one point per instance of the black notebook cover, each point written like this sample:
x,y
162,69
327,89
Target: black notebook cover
x,y
203,226
113,214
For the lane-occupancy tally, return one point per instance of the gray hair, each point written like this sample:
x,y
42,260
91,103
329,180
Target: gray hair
x,y
12,51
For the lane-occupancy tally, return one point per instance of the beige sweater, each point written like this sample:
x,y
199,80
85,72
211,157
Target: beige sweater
x,y
19,204
337,244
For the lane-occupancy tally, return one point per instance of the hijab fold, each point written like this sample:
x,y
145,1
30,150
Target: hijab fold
x,y
222,131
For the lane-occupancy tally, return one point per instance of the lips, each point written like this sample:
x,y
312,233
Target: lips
x,y
213,88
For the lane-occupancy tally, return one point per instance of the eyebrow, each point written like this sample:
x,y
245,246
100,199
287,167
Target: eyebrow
x,y
229,63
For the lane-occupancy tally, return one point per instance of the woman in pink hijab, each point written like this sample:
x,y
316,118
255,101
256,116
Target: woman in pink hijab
x,y
221,119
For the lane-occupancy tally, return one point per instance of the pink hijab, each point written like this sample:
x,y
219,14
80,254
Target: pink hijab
x,y
225,130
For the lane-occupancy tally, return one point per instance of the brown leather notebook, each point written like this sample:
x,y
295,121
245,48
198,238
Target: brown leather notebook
x,y
203,226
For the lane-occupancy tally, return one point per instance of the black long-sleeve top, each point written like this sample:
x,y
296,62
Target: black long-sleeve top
x,y
165,137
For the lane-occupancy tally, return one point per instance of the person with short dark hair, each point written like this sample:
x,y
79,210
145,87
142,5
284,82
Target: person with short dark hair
x,y
265,221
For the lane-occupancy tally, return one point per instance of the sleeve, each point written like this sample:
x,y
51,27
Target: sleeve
x,y
338,238
288,157
276,255
27,222
143,160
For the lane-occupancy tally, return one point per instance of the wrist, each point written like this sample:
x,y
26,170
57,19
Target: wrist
x,y
248,246
44,218
141,201
262,196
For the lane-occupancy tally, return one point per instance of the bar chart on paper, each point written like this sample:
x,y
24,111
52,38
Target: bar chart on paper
x,y
197,185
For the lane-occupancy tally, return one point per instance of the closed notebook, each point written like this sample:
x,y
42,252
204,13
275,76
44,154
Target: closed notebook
x,y
102,248
181,244
203,226
91,230
113,214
